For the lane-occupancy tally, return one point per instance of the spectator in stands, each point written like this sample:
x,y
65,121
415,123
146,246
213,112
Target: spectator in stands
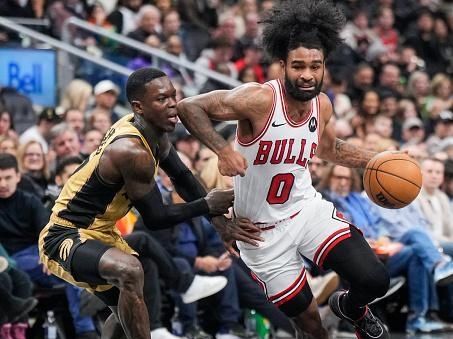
x,y
358,36
384,28
33,169
383,126
413,132
418,90
76,95
252,59
250,36
63,142
441,97
91,142
435,204
444,41
443,128
389,78
124,18
199,19
220,53
362,80
408,250
19,106
41,131
15,298
22,216
409,62
100,120
60,10
367,111
106,94
76,120
6,123
9,145
171,25
185,143
148,19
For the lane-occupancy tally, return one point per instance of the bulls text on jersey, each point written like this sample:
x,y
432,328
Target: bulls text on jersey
x,y
281,151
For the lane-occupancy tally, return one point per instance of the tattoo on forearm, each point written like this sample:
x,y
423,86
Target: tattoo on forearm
x,y
349,155
198,123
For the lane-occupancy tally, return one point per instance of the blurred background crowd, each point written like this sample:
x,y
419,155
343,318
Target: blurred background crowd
x,y
390,83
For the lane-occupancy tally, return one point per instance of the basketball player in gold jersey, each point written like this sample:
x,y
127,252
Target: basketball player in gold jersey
x,y
81,244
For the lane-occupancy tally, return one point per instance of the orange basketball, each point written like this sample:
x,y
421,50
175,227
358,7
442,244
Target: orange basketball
x,y
392,179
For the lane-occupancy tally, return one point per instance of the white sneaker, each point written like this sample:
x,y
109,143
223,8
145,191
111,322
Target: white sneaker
x,y
202,287
162,333
3,264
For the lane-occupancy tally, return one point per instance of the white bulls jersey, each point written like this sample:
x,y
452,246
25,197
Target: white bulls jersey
x,y
277,180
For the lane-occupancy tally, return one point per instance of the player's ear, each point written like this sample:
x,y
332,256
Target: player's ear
x,y
137,106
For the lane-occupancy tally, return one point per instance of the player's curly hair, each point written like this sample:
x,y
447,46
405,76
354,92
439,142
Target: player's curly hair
x,y
295,23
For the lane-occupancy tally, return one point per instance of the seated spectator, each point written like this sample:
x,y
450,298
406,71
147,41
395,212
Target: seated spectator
x,y
148,19
435,205
171,24
41,131
252,59
100,120
22,217
76,95
33,169
9,145
63,142
220,52
19,106
6,123
15,298
413,132
124,17
384,28
91,142
406,249
106,94
76,120
443,128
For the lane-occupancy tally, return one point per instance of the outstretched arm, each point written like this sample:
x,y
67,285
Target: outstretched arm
x,y
135,167
336,150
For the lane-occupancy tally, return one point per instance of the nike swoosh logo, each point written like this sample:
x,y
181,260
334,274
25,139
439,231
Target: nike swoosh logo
x,y
277,125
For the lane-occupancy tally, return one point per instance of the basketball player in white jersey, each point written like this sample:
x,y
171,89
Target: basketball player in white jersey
x,y
282,124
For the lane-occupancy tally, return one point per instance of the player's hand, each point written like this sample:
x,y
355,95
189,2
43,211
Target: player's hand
x,y
219,200
231,163
240,229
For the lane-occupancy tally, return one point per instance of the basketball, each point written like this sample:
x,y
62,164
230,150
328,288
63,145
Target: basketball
x,y
392,179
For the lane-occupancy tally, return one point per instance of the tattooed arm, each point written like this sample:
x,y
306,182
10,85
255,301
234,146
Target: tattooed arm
x,y
244,103
335,150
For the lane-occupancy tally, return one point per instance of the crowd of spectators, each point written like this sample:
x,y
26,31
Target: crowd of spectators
x,y
390,83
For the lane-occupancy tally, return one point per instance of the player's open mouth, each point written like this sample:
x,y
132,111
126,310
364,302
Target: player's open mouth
x,y
173,119
304,88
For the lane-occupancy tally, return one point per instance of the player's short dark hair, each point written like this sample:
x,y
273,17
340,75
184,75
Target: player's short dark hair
x,y
135,86
67,161
8,161
307,23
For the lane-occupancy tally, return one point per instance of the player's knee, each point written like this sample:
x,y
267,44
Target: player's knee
x,y
297,304
130,271
376,281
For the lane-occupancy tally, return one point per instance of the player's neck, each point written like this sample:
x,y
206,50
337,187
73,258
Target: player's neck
x,y
297,109
151,134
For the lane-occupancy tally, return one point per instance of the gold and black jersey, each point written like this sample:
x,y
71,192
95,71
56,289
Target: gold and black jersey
x,y
87,201
87,209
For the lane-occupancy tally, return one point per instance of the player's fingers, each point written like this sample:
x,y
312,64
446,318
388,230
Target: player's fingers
x,y
231,250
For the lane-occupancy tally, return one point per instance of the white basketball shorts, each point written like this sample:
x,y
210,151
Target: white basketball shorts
x,y
277,263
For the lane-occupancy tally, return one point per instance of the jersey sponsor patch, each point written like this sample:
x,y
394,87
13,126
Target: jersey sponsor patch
x,y
313,124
